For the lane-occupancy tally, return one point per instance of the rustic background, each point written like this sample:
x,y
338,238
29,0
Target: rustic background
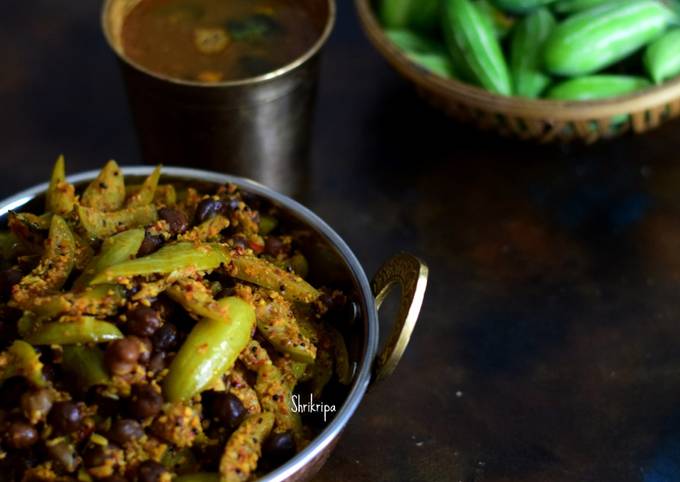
x,y
549,344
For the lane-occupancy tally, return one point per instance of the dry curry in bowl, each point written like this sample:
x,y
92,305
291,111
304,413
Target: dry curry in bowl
x,y
158,332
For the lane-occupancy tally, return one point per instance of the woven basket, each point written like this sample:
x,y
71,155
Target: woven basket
x,y
540,120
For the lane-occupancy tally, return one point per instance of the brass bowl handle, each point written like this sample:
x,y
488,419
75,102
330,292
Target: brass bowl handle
x,y
411,273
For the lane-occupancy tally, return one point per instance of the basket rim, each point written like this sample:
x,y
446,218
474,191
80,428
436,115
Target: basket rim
x,y
476,97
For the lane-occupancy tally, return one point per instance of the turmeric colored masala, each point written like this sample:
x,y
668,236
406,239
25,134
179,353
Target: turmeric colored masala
x,y
154,332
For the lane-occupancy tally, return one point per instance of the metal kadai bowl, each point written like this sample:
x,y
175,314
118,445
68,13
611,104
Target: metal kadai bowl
x,y
331,263
539,120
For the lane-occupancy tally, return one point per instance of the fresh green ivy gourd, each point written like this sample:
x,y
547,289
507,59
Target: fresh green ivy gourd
x,y
472,42
662,57
525,53
596,38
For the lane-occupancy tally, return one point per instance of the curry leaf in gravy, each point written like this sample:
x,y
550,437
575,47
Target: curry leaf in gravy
x,y
254,28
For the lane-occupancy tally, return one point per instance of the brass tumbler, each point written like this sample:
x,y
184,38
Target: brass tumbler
x,y
258,127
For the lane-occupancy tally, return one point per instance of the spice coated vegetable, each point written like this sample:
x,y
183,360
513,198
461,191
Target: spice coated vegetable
x,y
53,270
85,329
146,193
103,300
115,250
61,196
197,299
100,224
155,324
260,272
165,194
551,43
208,230
210,350
107,191
276,323
21,360
245,447
166,261
272,391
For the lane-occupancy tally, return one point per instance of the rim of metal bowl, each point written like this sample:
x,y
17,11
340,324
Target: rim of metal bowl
x,y
356,394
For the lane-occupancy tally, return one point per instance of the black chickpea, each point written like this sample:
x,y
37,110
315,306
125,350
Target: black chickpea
x,y
125,430
150,244
122,355
176,219
145,401
274,246
20,434
150,471
165,307
145,350
106,406
64,456
165,339
101,456
209,208
157,362
228,409
94,456
65,417
280,446
115,478
143,321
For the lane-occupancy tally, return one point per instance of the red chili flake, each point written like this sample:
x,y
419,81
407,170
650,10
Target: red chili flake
x,y
257,248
